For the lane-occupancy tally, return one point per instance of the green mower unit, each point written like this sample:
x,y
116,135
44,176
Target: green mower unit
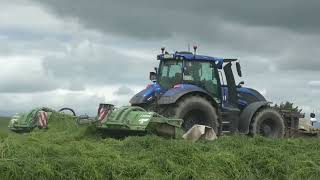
x,y
38,117
26,122
133,120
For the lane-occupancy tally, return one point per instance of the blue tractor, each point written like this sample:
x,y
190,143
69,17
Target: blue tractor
x,y
202,90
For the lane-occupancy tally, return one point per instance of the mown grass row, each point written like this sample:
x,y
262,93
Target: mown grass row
x,y
66,151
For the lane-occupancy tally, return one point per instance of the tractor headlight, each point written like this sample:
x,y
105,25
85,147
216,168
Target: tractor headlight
x,y
168,56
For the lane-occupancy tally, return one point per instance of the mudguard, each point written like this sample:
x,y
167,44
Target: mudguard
x,y
247,114
172,95
146,95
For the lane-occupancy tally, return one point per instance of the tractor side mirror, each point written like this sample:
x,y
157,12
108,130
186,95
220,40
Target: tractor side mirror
x,y
153,76
241,83
238,66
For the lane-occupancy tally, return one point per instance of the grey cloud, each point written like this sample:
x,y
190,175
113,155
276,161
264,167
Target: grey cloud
x,y
287,86
268,29
163,18
11,46
26,86
123,90
314,83
303,56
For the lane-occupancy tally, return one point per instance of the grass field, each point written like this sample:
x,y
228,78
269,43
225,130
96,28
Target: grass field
x,y
67,151
4,121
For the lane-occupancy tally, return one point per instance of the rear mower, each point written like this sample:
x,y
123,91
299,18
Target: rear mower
x,y
38,117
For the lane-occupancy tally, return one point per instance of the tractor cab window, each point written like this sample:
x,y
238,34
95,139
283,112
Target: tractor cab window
x,y
202,74
170,73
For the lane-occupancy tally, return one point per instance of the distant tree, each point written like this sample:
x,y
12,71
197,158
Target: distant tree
x,y
287,106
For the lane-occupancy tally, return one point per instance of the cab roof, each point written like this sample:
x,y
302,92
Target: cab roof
x,y
194,57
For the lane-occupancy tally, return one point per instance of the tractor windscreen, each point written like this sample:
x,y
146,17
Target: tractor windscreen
x,y
170,73
200,73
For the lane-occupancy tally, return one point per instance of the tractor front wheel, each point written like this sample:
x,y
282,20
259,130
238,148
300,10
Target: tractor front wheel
x,y
195,110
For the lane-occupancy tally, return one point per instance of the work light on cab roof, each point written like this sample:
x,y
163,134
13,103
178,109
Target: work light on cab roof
x,y
189,56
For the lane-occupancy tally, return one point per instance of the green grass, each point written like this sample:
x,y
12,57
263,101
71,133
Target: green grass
x,y
4,121
66,151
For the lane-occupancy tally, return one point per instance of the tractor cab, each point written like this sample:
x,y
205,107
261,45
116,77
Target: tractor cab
x,y
212,74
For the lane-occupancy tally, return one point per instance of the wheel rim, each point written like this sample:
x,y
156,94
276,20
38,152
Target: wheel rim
x,y
269,128
194,117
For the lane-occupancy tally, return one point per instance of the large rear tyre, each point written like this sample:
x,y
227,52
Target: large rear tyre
x,y
195,110
268,123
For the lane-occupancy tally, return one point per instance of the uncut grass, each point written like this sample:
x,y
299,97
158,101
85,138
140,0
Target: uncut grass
x,y
66,151
4,121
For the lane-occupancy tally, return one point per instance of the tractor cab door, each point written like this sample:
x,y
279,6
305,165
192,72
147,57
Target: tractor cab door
x,y
231,92
230,110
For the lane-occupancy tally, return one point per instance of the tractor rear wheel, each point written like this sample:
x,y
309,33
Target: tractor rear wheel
x,y
195,110
268,123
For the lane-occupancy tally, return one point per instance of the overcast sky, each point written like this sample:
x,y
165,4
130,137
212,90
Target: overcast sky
x,y
78,53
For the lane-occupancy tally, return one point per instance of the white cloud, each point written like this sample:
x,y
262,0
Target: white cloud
x,y
23,102
24,74
83,102
27,15
314,83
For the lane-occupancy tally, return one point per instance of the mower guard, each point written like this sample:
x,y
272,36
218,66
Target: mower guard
x,y
26,122
133,120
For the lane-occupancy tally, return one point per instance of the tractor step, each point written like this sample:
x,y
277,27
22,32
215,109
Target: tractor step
x,y
229,120
226,132
226,122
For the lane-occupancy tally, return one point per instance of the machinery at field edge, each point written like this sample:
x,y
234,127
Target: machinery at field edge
x,y
187,90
